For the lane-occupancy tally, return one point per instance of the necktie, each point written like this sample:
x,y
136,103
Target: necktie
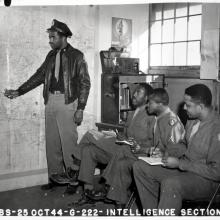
x,y
57,65
135,113
155,138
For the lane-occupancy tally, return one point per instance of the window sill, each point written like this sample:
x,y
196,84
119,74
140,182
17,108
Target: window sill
x,y
189,72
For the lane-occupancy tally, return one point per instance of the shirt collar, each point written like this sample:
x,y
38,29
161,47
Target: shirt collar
x,y
210,117
64,49
164,113
141,108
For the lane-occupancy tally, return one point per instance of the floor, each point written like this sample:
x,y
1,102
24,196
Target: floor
x,y
33,201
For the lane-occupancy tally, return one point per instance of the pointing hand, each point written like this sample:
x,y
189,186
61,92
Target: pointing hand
x,y
11,94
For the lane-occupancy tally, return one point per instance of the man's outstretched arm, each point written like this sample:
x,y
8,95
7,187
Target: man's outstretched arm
x,y
34,81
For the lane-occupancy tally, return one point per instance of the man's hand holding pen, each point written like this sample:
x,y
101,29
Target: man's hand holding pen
x,y
135,147
155,151
119,135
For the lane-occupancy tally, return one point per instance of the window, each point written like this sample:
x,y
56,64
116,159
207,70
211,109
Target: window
x,y
175,34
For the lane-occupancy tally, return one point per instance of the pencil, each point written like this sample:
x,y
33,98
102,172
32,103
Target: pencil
x,y
154,148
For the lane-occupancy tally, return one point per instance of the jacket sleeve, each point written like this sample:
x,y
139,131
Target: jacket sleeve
x,y
210,167
175,143
145,146
177,150
83,83
35,80
127,123
147,143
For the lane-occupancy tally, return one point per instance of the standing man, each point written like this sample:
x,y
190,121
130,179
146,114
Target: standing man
x,y
196,174
66,82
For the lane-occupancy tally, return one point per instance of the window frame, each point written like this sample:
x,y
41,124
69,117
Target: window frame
x,y
187,71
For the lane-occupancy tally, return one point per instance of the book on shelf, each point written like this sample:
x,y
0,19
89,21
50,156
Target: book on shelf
x,y
124,97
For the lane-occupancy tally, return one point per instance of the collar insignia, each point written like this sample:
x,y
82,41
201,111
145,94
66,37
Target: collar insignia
x,y
172,122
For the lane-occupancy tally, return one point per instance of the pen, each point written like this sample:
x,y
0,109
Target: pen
x,y
154,148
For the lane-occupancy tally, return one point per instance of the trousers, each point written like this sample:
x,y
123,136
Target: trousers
x,y
121,180
163,188
97,148
61,134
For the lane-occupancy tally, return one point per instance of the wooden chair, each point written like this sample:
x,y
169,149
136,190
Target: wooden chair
x,y
131,200
210,202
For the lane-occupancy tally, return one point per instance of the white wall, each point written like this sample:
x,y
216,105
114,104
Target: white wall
x,y
139,15
23,47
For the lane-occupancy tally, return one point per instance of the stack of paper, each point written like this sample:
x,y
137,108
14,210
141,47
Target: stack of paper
x,y
109,133
126,142
152,160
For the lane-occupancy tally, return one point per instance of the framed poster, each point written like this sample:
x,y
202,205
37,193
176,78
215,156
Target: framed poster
x,y
121,32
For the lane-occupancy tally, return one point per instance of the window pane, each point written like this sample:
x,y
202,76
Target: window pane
x,y
181,9
195,8
155,55
194,28
167,54
155,32
156,13
180,54
168,10
193,53
181,29
168,27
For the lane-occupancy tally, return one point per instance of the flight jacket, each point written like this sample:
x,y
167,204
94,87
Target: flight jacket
x,y
203,149
75,74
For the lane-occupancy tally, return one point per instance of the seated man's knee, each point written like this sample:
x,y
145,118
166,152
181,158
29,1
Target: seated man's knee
x,y
85,138
124,163
87,148
140,166
171,184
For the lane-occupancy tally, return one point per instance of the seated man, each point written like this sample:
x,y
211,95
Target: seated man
x,y
167,131
136,128
100,148
194,175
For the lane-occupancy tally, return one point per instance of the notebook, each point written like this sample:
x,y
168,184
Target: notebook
x,y
109,133
152,160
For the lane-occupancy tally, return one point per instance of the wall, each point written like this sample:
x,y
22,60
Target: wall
x,y
139,46
210,41
23,47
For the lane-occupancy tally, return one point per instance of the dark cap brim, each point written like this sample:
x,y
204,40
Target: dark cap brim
x,y
59,30
55,29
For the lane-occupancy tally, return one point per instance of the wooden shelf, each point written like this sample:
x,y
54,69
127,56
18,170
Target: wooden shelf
x,y
107,126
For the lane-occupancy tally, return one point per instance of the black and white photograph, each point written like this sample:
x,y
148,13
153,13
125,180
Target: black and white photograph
x,y
109,108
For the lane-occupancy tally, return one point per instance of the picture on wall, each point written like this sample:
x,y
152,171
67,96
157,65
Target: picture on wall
x,y
121,32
